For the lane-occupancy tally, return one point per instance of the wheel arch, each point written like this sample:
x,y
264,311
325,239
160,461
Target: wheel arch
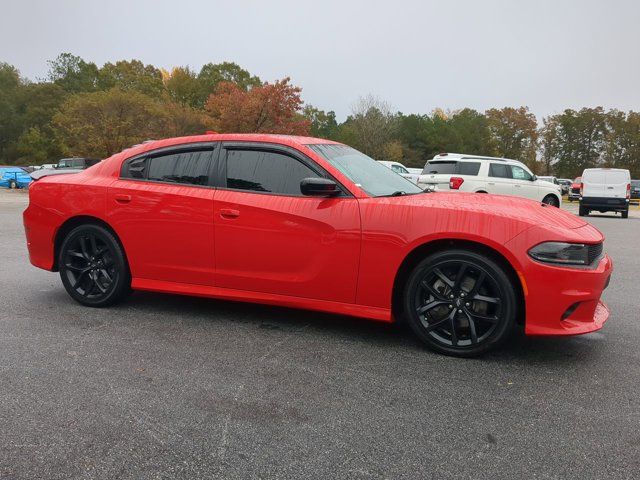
x,y
429,247
74,222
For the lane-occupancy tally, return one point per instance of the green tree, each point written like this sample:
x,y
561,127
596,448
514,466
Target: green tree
x,y
622,141
183,87
10,124
514,133
323,124
100,124
370,126
213,74
132,75
73,74
580,137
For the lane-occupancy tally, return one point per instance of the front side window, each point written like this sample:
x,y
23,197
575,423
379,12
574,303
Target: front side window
x,y
399,169
500,170
371,176
520,173
191,167
266,171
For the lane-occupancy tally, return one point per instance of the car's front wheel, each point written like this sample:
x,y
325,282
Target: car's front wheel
x,y
551,200
93,267
460,302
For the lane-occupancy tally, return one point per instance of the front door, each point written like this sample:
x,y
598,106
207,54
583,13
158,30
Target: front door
x,y
523,184
272,239
162,209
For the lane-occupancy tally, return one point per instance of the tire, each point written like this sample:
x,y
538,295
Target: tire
x,y
93,267
571,199
436,304
12,184
625,214
551,201
583,211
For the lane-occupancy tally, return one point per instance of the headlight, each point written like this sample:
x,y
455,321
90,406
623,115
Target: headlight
x,y
561,253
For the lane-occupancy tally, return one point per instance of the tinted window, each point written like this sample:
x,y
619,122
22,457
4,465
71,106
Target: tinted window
x,y
520,173
468,168
190,167
135,168
499,170
444,168
263,171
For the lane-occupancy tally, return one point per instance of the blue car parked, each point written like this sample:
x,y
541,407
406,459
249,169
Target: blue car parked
x,y
14,177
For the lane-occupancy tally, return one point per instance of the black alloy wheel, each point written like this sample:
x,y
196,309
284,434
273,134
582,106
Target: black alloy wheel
x,y
460,303
92,266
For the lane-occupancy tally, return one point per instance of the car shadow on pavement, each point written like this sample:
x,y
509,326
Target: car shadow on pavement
x,y
584,349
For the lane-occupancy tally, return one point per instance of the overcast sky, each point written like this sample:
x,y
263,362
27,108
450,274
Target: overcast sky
x,y
416,55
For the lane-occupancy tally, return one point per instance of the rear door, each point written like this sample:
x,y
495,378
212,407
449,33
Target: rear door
x,y
162,209
500,180
270,238
616,183
594,184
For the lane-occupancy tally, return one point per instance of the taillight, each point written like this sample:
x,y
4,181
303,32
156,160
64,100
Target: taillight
x,y
455,183
628,191
581,188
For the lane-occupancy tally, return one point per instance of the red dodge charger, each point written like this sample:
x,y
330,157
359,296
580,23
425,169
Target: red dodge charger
x,y
314,224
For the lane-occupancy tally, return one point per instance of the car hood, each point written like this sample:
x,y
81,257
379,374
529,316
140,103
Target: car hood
x,y
517,208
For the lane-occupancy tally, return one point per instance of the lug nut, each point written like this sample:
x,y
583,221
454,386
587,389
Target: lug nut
x,y
451,296
467,304
450,307
462,294
460,310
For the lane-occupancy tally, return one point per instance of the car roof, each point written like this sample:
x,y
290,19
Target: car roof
x,y
464,156
290,140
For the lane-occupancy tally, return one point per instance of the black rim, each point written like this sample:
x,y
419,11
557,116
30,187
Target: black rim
x,y
89,266
550,201
459,303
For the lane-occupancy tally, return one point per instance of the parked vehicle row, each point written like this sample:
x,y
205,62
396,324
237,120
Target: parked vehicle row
x,y
310,223
605,190
14,177
470,173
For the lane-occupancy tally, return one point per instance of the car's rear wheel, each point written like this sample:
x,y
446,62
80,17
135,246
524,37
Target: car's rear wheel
x,y
460,303
625,214
551,201
582,211
12,184
92,266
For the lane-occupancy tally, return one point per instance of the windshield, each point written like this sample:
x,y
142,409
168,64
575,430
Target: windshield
x,y
373,177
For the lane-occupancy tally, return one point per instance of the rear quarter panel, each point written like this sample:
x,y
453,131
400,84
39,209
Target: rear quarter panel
x,y
53,201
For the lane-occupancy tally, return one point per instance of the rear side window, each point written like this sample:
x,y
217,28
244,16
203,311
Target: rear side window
x,y
468,168
439,168
398,169
186,167
499,170
265,171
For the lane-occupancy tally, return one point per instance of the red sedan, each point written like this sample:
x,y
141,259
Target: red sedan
x,y
314,224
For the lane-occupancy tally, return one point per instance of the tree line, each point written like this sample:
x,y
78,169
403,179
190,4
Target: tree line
x,y
81,109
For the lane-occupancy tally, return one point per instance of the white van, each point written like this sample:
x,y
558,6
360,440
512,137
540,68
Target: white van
x,y
605,190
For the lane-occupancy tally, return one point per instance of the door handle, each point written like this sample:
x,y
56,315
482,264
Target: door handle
x,y
517,186
122,198
229,213
491,183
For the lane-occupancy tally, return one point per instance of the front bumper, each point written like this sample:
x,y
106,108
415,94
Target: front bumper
x,y
566,301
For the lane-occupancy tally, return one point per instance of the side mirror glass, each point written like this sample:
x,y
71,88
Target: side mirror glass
x,y
534,178
319,187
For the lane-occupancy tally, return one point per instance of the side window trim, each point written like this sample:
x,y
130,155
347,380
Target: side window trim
x,y
221,170
212,147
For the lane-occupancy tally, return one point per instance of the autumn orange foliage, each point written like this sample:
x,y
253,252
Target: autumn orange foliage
x,y
268,108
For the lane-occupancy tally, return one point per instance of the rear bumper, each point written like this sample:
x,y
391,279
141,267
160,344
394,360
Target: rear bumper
x,y
603,203
40,227
566,301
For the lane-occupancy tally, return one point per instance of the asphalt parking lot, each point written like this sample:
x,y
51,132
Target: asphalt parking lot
x,y
178,387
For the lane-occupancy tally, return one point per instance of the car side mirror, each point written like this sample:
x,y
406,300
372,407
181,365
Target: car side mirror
x,y
319,187
534,178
